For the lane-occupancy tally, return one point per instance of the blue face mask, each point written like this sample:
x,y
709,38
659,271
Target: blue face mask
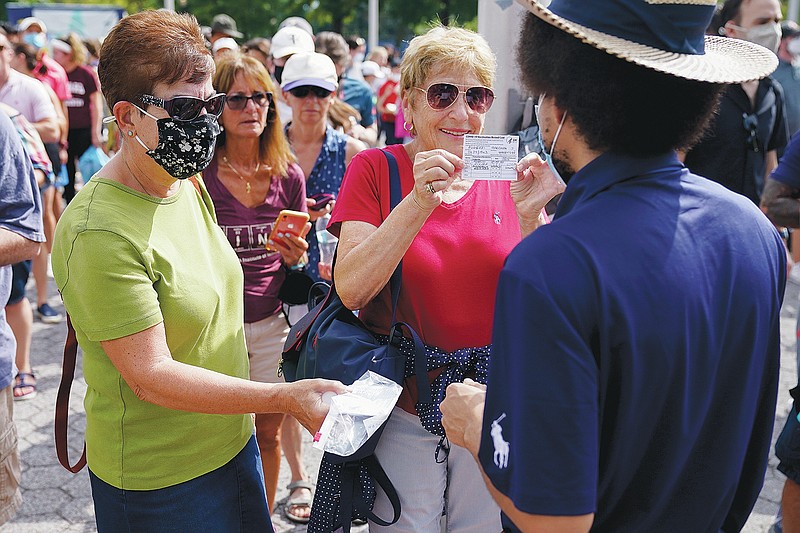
x,y
37,40
548,156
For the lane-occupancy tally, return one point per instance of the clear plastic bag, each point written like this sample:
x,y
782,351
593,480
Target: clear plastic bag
x,y
355,416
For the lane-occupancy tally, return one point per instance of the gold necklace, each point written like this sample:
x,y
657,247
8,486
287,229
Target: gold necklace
x,y
247,183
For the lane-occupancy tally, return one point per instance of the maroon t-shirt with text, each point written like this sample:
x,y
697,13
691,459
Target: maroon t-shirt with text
x,y
248,229
82,84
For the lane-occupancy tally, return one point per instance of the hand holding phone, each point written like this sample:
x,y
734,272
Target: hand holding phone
x,y
288,222
321,200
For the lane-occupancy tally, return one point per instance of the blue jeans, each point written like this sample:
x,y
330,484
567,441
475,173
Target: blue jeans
x,y
228,499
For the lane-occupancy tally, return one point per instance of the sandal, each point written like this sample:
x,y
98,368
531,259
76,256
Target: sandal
x,y
24,380
293,504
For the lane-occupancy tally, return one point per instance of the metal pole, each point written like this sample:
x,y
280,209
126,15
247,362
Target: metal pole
x,y
169,5
372,34
794,10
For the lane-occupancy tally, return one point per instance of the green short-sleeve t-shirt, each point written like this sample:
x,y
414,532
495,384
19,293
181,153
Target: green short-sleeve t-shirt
x,y
124,262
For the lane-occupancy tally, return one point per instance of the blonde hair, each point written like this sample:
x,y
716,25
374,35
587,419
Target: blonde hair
x,y
379,54
274,149
459,48
80,55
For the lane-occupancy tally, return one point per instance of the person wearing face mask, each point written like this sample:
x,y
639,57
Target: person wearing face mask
x,y
788,73
47,69
637,336
155,292
742,144
452,236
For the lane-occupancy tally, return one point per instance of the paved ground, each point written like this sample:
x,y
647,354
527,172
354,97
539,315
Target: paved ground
x,y
57,501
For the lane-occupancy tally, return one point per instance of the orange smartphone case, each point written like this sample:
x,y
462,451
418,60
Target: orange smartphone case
x,y
289,222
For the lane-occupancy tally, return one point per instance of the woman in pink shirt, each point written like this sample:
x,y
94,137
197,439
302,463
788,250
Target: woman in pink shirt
x,y
452,236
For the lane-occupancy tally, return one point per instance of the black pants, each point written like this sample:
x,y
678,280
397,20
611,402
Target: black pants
x,y
79,140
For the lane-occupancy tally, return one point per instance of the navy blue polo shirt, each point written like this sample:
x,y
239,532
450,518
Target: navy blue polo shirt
x,y
636,353
788,172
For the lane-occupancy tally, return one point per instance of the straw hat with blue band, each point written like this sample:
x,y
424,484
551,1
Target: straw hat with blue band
x,y
663,35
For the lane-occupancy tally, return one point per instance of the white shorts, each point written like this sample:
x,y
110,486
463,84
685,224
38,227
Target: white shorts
x,y
265,340
427,488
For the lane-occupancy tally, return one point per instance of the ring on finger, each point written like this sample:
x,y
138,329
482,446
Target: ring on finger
x,y
430,188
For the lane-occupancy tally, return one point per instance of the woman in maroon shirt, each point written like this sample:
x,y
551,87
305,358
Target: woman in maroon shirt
x,y
252,177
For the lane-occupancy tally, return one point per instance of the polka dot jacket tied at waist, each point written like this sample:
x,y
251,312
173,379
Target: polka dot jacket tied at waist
x,y
458,365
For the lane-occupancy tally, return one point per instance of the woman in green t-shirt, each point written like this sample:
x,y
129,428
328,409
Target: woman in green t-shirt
x,y
154,291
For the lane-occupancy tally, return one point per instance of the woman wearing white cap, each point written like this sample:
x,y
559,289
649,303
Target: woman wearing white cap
x,y
309,87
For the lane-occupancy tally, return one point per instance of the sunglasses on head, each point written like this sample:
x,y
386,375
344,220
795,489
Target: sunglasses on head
x,y
304,90
237,102
187,108
440,96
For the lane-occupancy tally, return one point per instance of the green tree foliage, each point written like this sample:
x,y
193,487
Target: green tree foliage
x,y
400,20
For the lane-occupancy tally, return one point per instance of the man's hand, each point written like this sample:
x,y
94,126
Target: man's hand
x,y
462,414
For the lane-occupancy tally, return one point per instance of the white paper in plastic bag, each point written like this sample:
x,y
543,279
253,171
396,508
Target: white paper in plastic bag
x,y
356,415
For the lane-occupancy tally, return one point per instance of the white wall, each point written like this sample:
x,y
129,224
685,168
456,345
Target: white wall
x,y
499,22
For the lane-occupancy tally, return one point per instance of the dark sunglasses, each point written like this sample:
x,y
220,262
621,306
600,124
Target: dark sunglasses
x,y
443,95
237,102
187,108
304,90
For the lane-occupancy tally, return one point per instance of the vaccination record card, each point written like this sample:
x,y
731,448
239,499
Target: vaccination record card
x,y
490,157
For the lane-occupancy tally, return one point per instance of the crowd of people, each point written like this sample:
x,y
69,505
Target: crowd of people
x,y
609,366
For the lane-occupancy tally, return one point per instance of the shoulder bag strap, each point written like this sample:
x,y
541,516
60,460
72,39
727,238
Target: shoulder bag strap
x,y
395,197
62,402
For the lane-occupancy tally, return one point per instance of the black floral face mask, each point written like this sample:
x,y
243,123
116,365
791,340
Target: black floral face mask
x,y
184,148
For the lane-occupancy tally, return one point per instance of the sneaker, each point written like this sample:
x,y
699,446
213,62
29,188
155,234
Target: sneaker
x,y
48,315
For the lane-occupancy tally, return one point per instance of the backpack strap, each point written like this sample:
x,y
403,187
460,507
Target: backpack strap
x,y
62,402
352,492
379,475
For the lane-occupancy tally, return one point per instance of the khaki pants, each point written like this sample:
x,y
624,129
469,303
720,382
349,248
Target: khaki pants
x,y
265,340
10,473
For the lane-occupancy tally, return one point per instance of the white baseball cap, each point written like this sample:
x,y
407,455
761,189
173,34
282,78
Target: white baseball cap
x,y
371,68
27,22
309,68
224,43
291,40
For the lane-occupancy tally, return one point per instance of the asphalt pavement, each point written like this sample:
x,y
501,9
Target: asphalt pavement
x,y
58,501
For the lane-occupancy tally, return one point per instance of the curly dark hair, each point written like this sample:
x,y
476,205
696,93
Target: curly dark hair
x,y
616,105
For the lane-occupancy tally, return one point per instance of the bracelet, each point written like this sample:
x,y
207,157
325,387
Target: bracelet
x,y
294,268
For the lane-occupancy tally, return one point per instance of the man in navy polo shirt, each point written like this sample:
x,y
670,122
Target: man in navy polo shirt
x,y
634,378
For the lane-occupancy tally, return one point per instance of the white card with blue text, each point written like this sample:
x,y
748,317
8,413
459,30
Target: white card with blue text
x,y
490,157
